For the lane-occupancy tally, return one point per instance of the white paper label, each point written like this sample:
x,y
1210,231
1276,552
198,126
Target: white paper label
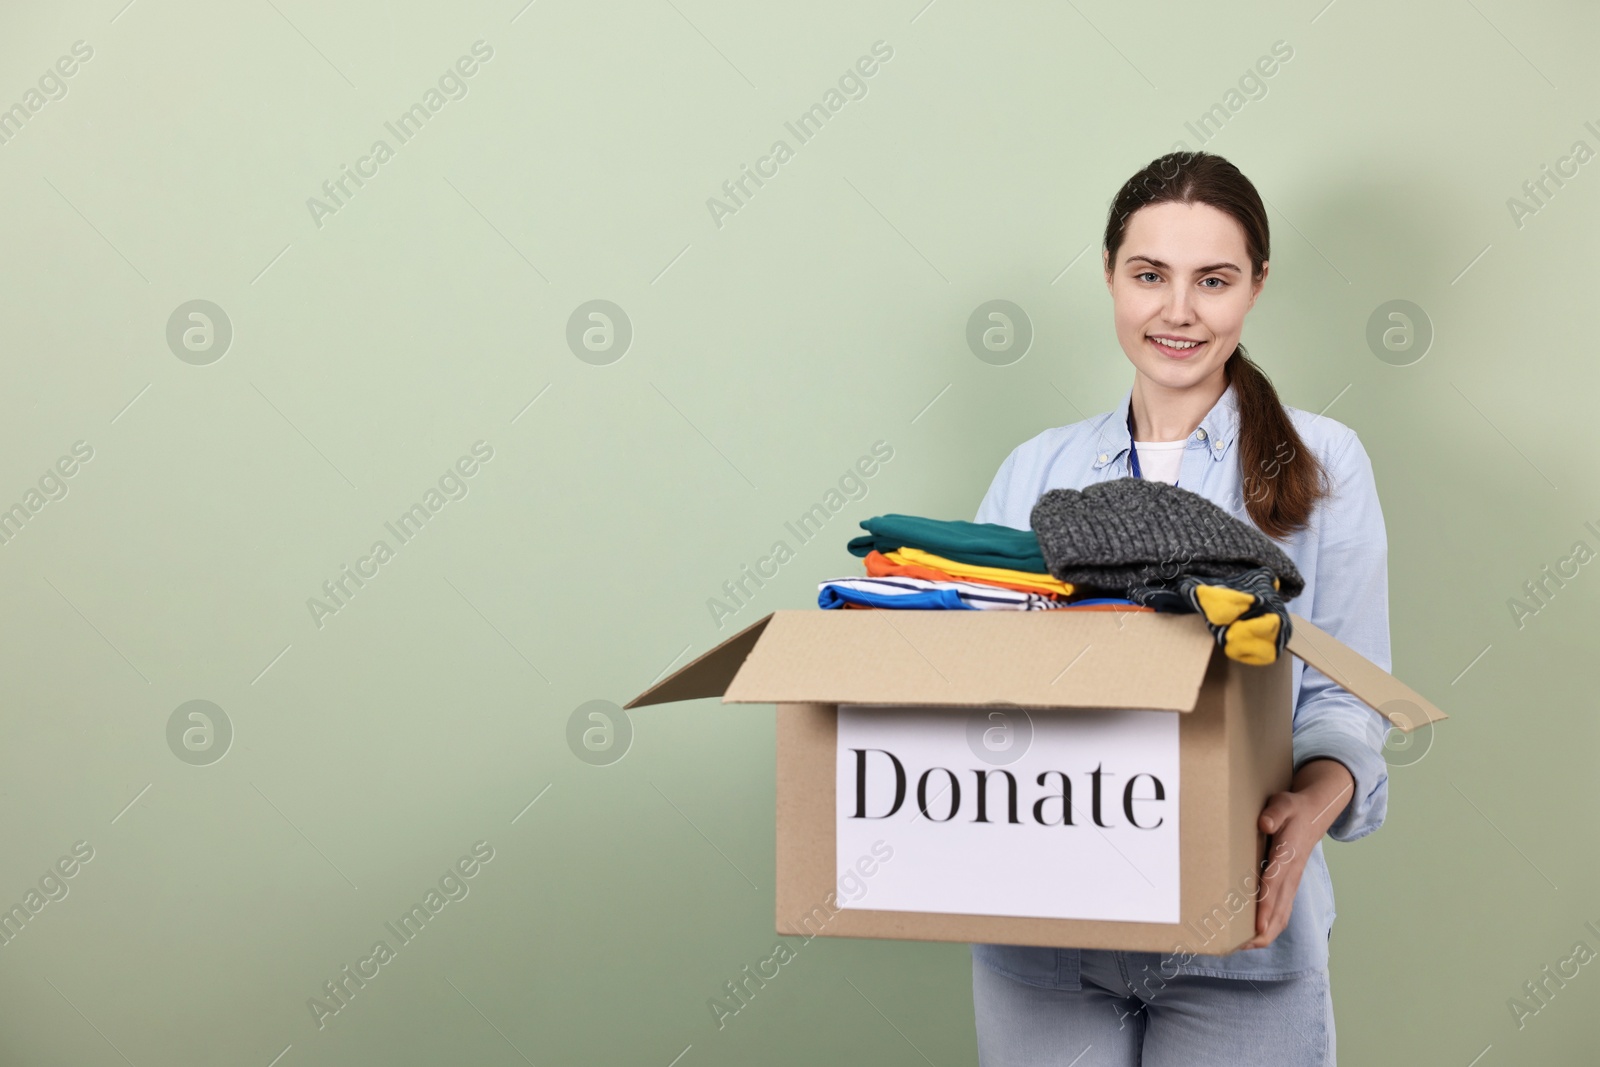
x,y
1094,831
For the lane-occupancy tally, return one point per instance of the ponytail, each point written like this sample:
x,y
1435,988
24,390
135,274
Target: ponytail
x,y
1280,479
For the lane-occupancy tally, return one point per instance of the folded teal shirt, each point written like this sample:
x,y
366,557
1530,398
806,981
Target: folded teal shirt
x,y
983,544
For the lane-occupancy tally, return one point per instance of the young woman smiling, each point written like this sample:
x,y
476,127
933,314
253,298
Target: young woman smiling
x,y
1185,257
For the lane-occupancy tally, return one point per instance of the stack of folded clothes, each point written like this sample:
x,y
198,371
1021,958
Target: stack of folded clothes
x,y
920,563
1122,545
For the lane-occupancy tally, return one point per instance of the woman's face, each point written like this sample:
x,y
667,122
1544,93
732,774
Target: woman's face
x,y
1180,289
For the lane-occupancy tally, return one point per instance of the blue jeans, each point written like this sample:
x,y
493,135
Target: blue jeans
x,y
1115,1021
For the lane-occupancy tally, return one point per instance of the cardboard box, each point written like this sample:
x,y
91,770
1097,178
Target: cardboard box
x,y
1233,749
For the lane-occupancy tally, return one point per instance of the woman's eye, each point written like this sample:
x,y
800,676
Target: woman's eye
x,y
1219,281
1147,274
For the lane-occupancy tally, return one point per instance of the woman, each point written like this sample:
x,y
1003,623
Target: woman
x,y
1185,257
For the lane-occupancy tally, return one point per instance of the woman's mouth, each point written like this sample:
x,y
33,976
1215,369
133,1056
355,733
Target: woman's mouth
x,y
1174,347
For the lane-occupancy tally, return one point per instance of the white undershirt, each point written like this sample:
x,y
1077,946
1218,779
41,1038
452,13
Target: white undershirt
x,y
1160,460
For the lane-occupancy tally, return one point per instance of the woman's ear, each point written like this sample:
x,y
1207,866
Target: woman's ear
x,y
1259,283
1105,267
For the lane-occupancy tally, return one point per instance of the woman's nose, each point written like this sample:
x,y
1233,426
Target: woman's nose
x,y
1178,307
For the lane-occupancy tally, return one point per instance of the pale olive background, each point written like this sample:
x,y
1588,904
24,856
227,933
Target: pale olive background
x,y
767,355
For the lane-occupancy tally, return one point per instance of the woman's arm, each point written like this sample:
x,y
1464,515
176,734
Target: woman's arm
x,y
994,507
1341,783
1296,820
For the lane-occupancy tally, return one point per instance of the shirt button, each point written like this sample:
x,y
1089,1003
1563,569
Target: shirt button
x,y
1217,445
1102,457
1200,435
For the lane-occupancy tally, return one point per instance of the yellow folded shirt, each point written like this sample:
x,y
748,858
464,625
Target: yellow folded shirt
x,y
1041,582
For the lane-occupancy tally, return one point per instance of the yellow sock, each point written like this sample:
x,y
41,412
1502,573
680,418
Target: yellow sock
x,y
1253,641
1221,604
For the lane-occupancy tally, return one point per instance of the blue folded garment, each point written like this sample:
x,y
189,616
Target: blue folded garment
x,y
837,595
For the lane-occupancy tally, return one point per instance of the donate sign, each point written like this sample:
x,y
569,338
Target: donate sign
x,y
1049,813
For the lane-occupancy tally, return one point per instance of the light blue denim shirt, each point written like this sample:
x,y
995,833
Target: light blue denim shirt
x,y
1343,556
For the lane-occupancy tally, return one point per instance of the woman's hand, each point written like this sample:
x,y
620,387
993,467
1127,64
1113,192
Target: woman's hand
x,y
1296,819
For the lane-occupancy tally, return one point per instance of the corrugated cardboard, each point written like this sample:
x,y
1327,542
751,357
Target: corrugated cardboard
x,y
1235,746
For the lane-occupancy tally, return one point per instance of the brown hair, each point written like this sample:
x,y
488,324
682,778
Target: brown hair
x,y
1282,479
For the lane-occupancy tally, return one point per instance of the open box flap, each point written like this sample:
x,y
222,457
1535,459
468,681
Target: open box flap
x,y
708,674
1402,706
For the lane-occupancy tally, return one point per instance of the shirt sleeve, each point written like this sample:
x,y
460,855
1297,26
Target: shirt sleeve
x,y
1351,602
996,504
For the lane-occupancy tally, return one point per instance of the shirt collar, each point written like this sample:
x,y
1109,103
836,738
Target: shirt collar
x,y
1216,432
